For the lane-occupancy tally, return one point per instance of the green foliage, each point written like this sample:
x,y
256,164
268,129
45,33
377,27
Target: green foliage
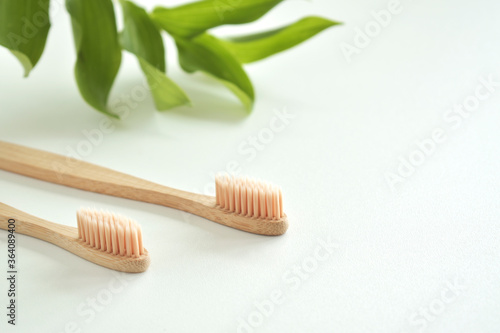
x,y
97,48
141,37
206,53
195,18
262,45
24,26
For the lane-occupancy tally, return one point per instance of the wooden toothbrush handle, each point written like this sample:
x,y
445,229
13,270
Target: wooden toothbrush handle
x,y
75,173
33,226
79,174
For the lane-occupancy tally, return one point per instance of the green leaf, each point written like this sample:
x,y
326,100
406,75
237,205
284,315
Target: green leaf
x,y
143,39
24,26
206,53
165,92
98,49
195,18
262,45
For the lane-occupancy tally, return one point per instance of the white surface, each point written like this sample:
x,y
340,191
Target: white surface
x,y
398,250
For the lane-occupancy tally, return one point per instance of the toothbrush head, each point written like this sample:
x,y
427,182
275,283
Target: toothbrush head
x,y
111,233
249,197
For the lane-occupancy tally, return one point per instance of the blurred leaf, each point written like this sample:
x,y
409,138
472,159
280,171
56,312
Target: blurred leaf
x,y
24,26
166,93
142,38
206,53
195,18
97,47
262,45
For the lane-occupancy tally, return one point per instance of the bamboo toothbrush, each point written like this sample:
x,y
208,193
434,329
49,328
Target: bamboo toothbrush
x,y
107,239
239,203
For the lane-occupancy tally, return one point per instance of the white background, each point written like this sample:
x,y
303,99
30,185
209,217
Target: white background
x,y
398,250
